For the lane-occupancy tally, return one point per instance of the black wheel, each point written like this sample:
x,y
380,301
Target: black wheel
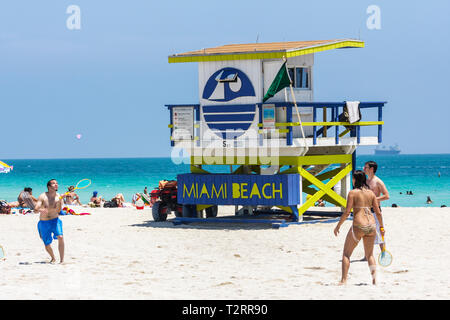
x,y
188,211
211,212
159,211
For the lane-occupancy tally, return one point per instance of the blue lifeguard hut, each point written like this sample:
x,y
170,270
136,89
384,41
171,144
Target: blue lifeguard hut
x,y
276,148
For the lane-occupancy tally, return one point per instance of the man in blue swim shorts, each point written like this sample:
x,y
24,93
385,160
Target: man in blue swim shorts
x,y
49,205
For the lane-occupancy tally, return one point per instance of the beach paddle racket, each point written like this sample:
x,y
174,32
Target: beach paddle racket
x,y
2,253
82,184
385,257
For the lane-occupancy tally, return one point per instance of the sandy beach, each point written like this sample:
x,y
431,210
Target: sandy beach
x,y
122,253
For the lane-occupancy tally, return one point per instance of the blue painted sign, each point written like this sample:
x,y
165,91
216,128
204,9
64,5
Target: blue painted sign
x,y
229,121
228,189
228,84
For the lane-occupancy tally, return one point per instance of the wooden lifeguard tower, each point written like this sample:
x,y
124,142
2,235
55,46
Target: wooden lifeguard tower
x,y
278,147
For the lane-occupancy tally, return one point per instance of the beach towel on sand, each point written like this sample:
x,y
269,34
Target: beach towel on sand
x,y
67,211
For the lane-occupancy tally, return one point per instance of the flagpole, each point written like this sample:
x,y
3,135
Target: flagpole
x,y
296,107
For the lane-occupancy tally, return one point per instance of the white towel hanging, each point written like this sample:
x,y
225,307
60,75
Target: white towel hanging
x,y
353,111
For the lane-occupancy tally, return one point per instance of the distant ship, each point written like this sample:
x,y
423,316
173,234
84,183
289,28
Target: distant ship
x,y
387,151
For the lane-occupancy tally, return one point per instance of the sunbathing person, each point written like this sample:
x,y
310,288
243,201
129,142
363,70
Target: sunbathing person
x,y
71,197
116,202
119,199
24,200
96,201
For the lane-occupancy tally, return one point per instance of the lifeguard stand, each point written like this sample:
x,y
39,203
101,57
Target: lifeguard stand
x,y
278,156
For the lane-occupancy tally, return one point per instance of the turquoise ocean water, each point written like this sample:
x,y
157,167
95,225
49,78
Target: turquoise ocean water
x,y
401,173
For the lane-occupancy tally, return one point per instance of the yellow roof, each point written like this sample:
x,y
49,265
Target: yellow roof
x,y
272,50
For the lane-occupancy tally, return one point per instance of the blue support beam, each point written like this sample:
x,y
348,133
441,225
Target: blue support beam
x,y
380,118
358,134
353,162
197,120
295,215
260,109
289,119
336,119
172,143
314,127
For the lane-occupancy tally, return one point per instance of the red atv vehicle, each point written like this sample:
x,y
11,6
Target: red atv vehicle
x,y
164,200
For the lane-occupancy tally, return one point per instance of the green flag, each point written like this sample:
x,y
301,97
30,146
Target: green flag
x,y
281,81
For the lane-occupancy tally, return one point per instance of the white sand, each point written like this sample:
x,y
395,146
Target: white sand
x,y
123,254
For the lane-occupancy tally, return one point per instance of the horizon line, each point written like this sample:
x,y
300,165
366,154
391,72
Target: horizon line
x,y
168,157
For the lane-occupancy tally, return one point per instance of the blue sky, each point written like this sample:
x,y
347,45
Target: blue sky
x,y
109,80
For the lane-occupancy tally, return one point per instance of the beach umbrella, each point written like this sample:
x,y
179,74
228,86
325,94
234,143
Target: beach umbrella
x,y
4,168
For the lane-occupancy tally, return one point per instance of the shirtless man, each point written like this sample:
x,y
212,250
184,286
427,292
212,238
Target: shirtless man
x,y
378,187
49,205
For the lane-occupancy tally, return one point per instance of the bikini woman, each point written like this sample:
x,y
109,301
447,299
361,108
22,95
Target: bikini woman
x,y
361,199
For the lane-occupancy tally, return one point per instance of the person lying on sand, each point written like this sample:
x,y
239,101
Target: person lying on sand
x,y
361,199
119,199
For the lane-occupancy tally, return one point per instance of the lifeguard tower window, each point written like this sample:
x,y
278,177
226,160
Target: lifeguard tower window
x,y
299,77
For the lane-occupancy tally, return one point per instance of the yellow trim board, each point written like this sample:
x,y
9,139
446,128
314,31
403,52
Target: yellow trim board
x,y
344,133
284,208
264,55
195,169
273,130
267,160
200,207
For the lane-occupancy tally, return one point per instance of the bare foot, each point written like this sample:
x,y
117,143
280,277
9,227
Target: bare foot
x,y
52,261
342,283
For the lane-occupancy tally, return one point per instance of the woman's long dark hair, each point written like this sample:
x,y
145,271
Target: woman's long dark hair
x,y
360,180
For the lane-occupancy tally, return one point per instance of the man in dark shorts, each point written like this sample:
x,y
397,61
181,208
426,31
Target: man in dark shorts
x,y
49,206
